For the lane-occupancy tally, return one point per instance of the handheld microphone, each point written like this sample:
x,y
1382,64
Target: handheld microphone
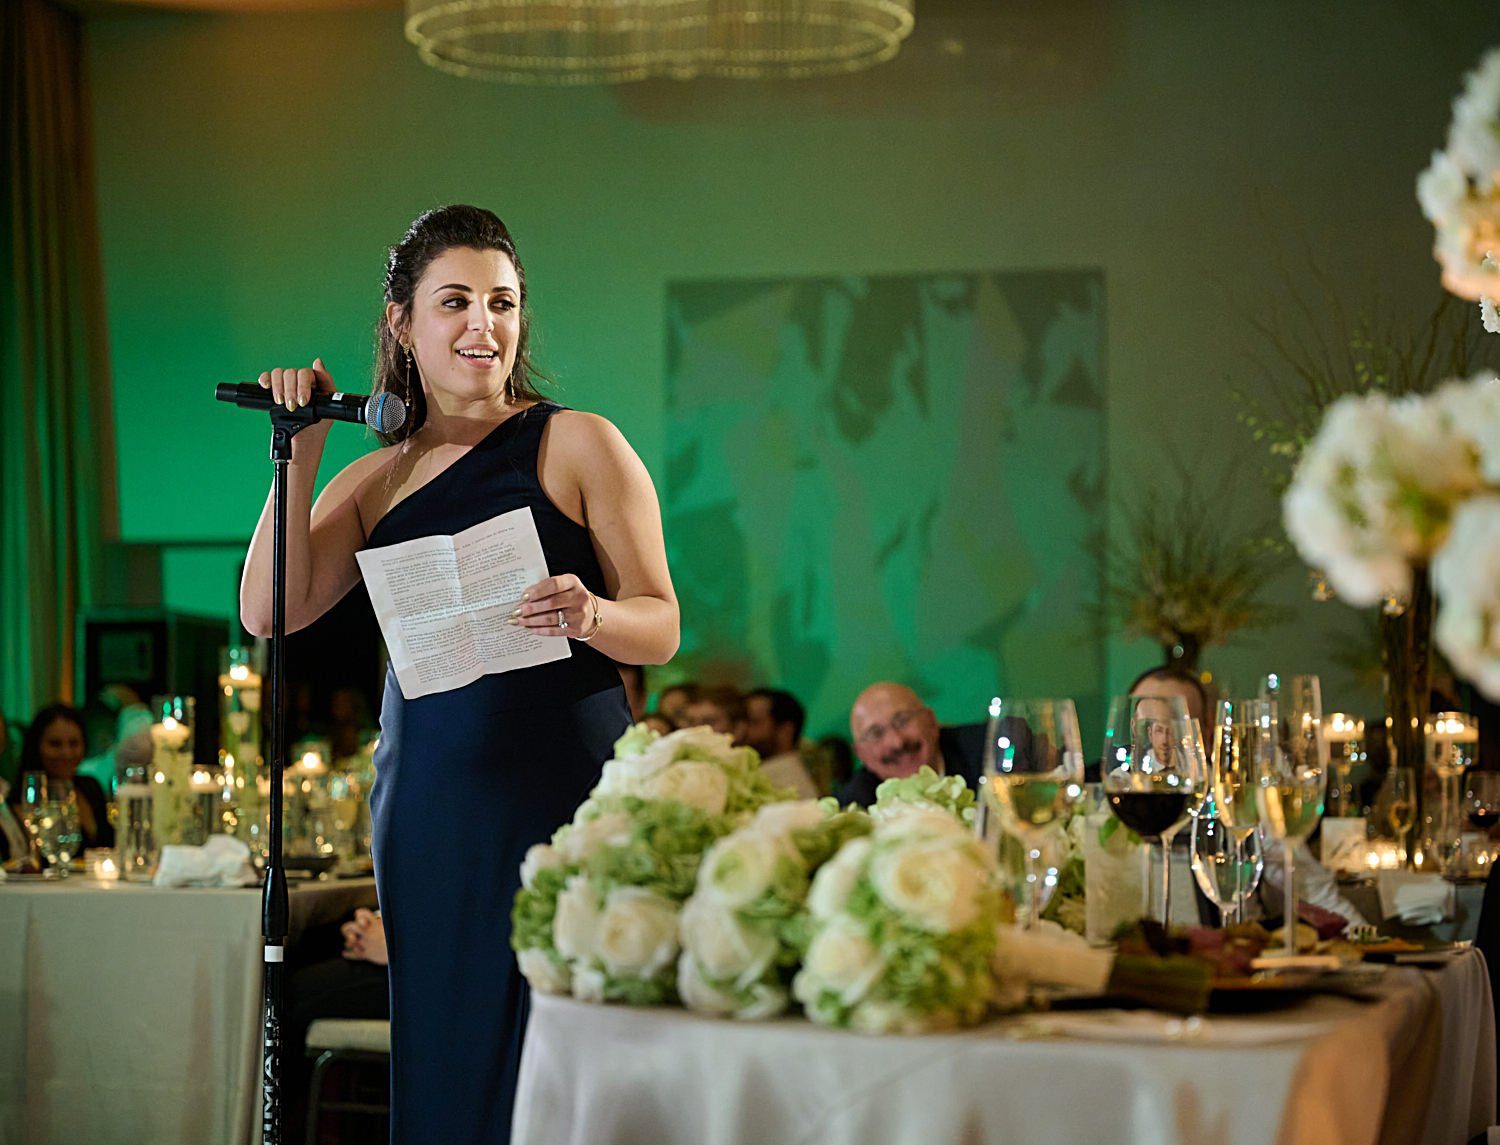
x,y
384,413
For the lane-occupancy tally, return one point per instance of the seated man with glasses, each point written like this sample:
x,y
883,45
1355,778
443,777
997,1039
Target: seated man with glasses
x,y
895,734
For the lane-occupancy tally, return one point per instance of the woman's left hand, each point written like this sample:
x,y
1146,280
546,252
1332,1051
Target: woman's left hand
x,y
557,606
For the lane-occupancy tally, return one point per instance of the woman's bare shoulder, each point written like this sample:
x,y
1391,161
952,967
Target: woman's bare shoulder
x,y
366,465
583,434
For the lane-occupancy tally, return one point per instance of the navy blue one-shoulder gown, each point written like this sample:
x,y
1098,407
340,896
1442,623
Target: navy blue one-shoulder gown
x,y
466,781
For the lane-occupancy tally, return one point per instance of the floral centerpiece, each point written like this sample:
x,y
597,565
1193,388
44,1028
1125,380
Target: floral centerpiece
x,y
693,765
1396,496
746,927
925,789
1459,192
597,913
903,928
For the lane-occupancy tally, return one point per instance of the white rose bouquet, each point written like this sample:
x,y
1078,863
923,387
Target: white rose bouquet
x,y
925,789
597,913
746,928
696,766
903,928
1459,192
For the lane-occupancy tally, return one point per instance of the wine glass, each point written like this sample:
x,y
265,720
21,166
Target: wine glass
x,y
1482,805
1292,768
1033,773
1237,736
1399,795
1151,769
1227,869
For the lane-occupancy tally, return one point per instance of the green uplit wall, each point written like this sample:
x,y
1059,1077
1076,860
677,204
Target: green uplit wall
x,y
252,168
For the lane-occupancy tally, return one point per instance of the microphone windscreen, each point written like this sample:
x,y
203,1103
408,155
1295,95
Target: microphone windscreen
x,y
385,413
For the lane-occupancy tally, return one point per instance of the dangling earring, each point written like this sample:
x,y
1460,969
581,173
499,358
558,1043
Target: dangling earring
x,y
410,400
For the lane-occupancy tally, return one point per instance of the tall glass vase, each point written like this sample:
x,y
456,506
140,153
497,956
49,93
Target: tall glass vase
x,y
1406,636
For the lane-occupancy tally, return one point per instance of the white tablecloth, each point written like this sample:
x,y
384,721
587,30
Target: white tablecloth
x,y
1416,1066
130,1014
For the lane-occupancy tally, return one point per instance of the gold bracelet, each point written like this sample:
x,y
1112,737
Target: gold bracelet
x,y
598,621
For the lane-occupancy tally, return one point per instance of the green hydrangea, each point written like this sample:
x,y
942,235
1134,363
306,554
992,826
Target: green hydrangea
x,y
928,789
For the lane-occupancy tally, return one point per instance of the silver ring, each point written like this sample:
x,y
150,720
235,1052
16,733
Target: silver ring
x,y
562,621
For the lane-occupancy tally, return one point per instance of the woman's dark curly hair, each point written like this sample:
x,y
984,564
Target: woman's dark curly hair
x,y
431,234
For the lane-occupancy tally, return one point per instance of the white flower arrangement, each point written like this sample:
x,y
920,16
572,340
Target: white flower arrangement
x,y
1466,577
1376,488
1390,485
1459,192
903,928
597,915
746,927
696,766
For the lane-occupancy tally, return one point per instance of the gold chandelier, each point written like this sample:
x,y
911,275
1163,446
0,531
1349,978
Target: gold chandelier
x,y
616,41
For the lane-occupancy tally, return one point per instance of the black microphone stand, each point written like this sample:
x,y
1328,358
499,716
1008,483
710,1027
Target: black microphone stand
x,y
274,910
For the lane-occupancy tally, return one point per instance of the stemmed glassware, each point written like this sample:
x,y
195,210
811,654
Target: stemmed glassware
x,y
1226,867
1399,797
1452,746
1292,768
1033,773
1345,735
1240,727
49,809
1153,771
1482,805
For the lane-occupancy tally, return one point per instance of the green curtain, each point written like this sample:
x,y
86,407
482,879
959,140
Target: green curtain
x,y
58,501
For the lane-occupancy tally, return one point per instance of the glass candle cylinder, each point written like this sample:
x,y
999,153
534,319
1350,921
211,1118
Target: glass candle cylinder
x,y
172,768
1345,735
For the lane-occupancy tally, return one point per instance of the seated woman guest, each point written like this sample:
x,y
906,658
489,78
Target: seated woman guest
x,y
54,745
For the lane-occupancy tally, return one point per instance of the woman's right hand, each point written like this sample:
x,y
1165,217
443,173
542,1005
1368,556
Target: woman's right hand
x,y
294,387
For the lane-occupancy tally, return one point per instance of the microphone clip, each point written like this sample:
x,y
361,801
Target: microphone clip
x,y
285,425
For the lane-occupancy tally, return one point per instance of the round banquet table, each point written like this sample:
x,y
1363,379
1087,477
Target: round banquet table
x,y
130,1013
1415,1065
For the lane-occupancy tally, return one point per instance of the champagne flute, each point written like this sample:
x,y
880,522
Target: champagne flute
x,y
1238,733
1292,768
1152,768
1033,773
1401,804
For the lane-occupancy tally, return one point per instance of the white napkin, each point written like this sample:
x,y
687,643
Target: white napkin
x,y
1414,897
223,861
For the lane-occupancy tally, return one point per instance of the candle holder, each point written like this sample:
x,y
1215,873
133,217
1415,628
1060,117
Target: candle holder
x,y
102,864
172,768
1452,740
135,833
1345,735
309,827
246,810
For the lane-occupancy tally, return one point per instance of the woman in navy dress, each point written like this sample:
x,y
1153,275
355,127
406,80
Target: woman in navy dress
x,y
467,779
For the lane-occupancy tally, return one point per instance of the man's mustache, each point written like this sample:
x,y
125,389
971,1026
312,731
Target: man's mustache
x,y
908,747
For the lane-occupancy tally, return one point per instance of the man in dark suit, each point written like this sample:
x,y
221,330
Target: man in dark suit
x,y
895,734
